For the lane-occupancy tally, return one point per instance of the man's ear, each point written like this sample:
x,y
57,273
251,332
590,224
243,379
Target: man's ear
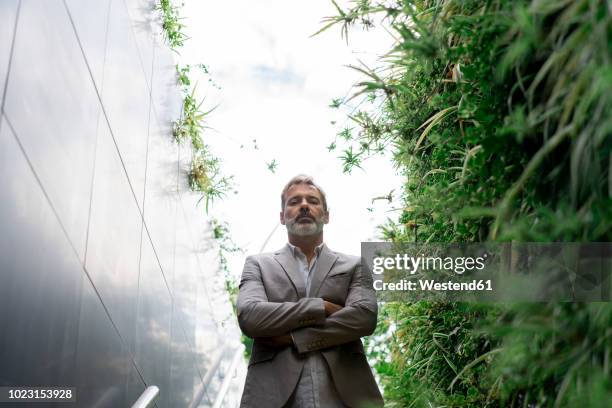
x,y
326,217
282,217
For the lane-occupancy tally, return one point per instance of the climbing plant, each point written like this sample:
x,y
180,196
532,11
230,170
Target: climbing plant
x,y
171,24
227,246
205,175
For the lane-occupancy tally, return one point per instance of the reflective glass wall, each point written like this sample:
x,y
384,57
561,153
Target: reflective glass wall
x,y
109,277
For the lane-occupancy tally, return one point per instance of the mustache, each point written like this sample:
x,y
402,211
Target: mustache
x,y
304,216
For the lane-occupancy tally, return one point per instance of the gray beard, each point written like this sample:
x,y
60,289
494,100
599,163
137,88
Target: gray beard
x,y
305,230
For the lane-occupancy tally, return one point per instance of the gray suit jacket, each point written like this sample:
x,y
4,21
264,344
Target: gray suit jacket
x,y
272,301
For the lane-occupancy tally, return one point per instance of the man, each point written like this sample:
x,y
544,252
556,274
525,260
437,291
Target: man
x,y
306,307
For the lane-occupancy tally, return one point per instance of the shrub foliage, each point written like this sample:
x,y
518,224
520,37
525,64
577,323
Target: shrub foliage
x,y
498,114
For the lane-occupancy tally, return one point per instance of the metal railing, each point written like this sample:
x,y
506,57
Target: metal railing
x,y
212,371
227,379
147,397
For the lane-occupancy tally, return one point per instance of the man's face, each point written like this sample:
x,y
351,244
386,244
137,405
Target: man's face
x,y
303,213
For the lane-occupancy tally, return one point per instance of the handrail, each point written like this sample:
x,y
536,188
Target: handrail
x,y
214,367
147,397
228,377
211,372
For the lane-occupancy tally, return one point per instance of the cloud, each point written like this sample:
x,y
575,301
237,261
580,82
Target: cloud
x,y
285,76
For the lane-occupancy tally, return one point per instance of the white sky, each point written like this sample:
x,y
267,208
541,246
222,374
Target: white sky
x,y
276,85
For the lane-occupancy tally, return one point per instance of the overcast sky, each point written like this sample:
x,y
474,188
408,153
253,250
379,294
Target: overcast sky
x,y
275,86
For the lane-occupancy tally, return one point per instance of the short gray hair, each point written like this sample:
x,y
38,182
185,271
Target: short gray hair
x,y
303,179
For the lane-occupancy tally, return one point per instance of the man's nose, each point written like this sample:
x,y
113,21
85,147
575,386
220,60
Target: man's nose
x,y
304,207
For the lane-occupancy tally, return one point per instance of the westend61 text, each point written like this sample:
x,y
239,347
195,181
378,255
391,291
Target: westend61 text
x,y
432,285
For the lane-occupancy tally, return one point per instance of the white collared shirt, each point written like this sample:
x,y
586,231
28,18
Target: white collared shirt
x,y
315,388
307,271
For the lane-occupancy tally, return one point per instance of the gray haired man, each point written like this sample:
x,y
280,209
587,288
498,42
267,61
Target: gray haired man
x,y
306,307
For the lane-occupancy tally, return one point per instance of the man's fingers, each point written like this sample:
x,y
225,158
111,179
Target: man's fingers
x,y
331,308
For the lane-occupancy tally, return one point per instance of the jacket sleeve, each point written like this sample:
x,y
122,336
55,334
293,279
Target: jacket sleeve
x,y
257,317
356,319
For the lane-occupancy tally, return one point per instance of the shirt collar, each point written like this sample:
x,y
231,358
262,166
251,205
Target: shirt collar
x,y
292,248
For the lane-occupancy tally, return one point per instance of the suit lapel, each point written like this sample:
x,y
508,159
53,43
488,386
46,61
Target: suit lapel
x,y
326,261
290,266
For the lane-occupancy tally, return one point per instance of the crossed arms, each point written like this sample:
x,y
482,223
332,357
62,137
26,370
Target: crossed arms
x,y
310,323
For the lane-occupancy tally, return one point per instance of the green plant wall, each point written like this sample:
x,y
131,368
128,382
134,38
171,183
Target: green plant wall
x,y
498,114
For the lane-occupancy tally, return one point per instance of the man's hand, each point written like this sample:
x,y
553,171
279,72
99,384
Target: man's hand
x,y
283,340
331,308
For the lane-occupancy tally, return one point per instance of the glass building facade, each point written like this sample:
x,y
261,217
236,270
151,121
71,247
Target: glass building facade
x,y
109,274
